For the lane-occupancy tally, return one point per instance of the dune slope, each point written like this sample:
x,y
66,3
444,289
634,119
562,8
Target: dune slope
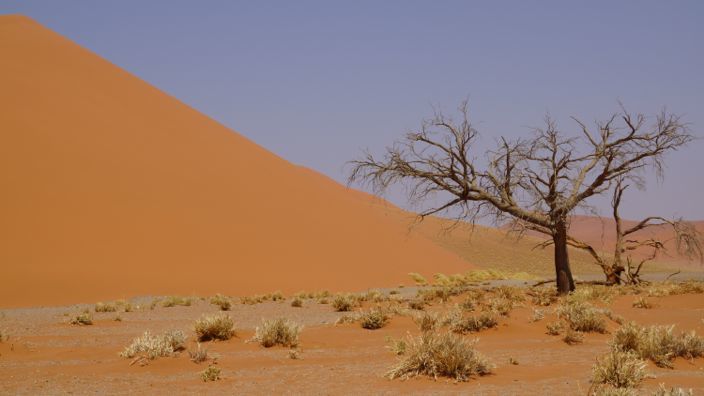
x,y
112,188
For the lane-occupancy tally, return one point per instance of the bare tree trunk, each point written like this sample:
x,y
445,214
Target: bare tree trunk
x,y
563,274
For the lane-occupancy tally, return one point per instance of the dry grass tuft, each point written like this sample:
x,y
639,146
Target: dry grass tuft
x,y
581,316
172,301
658,343
426,321
554,328
152,346
105,307
277,332
344,303
418,305
396,346
199,355
373,319
418,278
619,369
500,305
221,301
440,355
543,296
212,373
472,324
214,327
663,391
642,302
82,319
297,302
573,337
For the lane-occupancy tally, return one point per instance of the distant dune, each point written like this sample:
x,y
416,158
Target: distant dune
x,y
112,188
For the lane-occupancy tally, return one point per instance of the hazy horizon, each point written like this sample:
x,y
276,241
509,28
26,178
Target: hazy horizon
x,y
316,83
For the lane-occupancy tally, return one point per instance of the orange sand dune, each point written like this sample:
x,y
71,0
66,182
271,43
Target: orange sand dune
x,y
111,188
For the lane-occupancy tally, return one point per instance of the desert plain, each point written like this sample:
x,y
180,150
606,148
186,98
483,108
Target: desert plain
x,y
125,211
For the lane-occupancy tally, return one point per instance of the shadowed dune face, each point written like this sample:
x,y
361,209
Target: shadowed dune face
x,y
112,188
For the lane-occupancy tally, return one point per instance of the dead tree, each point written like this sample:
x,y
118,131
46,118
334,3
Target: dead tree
x,y
622,267
537,182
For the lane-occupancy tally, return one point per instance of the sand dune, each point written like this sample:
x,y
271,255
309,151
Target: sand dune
x,y
112,188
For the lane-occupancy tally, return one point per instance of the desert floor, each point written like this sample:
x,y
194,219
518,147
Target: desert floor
x,y
43,354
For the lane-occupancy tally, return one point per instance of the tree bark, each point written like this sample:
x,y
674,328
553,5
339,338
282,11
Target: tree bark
x,y
563,274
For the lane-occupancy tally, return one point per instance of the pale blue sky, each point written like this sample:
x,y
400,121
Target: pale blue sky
x,y
316,82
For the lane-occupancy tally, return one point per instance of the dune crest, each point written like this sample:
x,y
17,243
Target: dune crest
x,y
112,188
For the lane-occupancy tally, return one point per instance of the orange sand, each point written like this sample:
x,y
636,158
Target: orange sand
x,y
112,188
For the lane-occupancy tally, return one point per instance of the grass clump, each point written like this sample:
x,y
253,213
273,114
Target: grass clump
x,y
277,332
440,355
172,301
473,324
619,369
297,302
658,343
573,337
212,373
543,296
663,391
221,301
214,327
82,319
426,321
105,307
592,293
418,278
500,305
343,303
151,346
373,319
642,302
417,305
581,316
554,328
199,355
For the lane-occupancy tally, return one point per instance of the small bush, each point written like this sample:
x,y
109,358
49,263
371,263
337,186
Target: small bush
x,y
276,296
581,316
373,319
343,303
513,294
619,369
212,373
440,355
396,346
642,302
426,321
152,346
251,300
467,304
199,355
500,305
418,305
214,327
658,343
554,328
294,354
82,319
473,324
172,301
221,301
102,307
543,296
277,332
573,337
296,302
537,316
592,293
663,391
418,278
